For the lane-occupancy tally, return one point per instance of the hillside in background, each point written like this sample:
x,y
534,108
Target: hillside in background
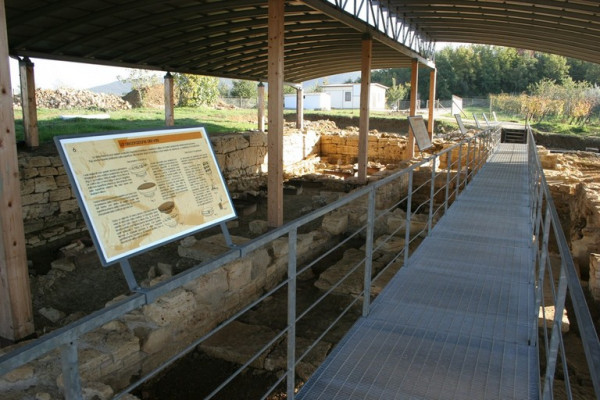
x,y
120,89
117,88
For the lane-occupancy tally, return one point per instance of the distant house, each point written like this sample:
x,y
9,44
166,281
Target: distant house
x,y
312,101
347,95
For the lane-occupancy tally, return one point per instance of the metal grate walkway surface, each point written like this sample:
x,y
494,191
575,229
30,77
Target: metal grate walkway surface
x,y
455,322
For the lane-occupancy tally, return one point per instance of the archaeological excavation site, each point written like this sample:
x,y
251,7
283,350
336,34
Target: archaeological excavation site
x,y
250,293
239,227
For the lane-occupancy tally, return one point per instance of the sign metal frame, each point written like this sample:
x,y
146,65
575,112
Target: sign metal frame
x,y
190,159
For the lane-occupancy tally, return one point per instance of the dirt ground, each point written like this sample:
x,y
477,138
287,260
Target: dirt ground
x,y
89,286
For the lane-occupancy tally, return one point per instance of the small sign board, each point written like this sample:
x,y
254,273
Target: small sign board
x,y
138,190
460,123
417,125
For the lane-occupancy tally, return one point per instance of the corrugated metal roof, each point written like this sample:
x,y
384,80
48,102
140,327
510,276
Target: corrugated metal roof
x,y
209,37
229,38
566,27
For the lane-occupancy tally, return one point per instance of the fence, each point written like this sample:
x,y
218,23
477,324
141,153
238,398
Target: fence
x,y
241,102
394,212
551,290
424,191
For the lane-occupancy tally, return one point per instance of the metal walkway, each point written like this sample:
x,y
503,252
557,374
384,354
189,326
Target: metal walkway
x,y
455,322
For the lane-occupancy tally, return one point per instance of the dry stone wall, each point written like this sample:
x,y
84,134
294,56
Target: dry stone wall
x,y
572,179
51,211
141,340
342,147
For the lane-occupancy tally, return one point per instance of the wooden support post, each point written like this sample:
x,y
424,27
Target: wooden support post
x,y
430,119
363,126
299,108
169,100
16,316
261,107
30,121
275,112
414,86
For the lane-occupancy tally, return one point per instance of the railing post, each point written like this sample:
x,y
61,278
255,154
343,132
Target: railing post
x,y
539,292
559,305
478,153
431,194
369,252
291,337
70,371
408,212
458,170
448,161
467,162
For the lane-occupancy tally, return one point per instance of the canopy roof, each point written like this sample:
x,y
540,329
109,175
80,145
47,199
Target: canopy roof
x,y
208,37
228,38
566,27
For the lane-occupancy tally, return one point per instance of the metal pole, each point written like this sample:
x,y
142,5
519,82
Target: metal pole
x,y
477,153
448,161
431,194
291,337
129,277
541,273
467,162
408,212
458,170
369,252
559,305
70,370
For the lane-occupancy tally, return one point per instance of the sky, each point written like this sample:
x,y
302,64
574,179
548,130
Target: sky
x,y
51,74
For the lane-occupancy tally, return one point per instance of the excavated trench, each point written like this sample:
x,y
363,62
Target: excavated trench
x,y
77,291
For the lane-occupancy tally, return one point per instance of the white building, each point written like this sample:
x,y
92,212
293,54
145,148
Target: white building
x,y
312,101
347,95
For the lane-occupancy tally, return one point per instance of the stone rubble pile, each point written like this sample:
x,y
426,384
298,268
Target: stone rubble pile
x,y
76,99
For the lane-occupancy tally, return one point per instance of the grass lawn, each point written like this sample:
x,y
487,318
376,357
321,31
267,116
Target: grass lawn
x,y
215,121
238,120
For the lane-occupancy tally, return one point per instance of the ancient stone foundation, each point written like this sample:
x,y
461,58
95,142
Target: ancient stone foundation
x,y
138,342
573,183
51,211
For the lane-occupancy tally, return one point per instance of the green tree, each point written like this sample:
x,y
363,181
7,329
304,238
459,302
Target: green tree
x,y
551,66
140,79
196,90
395,93
224,89
584,71
244,89
287,89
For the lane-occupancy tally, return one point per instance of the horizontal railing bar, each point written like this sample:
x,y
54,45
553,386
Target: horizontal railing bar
x,y
326,331
71,332
247,363
329,291
328,252
585,323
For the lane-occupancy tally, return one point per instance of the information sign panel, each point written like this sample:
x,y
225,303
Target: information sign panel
x,y
417,124
138,190
461,125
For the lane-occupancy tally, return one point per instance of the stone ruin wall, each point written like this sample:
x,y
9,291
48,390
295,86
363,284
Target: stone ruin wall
x,y
111,356
51,211
573,181
343,148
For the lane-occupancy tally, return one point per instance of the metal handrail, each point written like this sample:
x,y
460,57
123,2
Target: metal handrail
x,y
542,203
66,338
